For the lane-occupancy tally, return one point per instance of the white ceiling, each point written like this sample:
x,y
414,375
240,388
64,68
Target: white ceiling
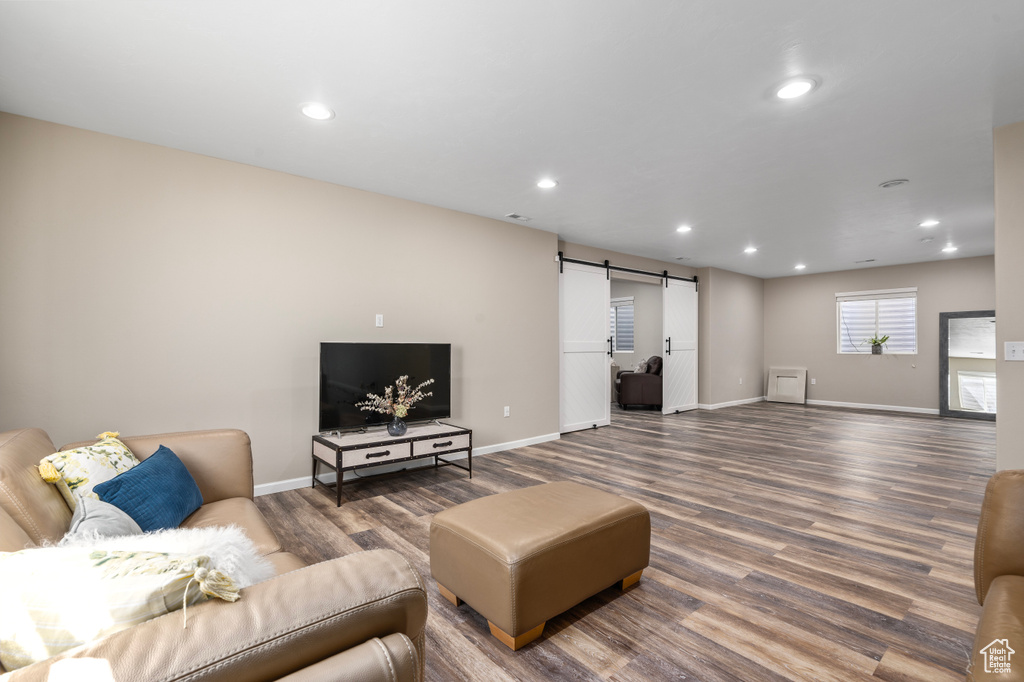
x,y
649,113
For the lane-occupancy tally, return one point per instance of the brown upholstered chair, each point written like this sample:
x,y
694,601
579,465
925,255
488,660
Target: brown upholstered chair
x,y
634,388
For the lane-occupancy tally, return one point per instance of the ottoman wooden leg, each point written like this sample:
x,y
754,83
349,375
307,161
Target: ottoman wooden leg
x,y
519,642
448,594
632,580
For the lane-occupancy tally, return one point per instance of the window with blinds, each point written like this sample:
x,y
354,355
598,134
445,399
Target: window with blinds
x,y
622,324
861,315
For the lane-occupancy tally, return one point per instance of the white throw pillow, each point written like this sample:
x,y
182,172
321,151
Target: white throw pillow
x,y
98,519
229,548
56,598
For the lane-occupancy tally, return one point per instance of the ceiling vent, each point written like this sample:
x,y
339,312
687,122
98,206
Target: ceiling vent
x,y
894,183
683,258
866,260
516,216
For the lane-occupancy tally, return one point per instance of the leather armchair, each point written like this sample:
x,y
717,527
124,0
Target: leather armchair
x,y
999,579
634,388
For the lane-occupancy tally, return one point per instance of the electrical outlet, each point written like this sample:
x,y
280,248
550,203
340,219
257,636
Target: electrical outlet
x,y
380,320
741,381
813,381
506,411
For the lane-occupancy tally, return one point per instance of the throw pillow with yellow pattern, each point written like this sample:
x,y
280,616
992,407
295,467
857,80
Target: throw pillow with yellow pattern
x,y
76,472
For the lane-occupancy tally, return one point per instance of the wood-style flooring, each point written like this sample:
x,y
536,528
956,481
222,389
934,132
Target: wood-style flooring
x,y
788,543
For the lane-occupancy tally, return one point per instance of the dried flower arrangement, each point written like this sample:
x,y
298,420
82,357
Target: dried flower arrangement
x,y
400,405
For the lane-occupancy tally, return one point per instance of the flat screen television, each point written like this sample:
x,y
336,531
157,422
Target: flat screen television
x,y
348,371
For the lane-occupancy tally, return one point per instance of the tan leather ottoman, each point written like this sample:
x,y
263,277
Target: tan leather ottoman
x,y
522,557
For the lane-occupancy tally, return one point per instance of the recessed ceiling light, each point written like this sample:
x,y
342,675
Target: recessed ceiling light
x,y
931,222
683,228
795,87
317,112
518,216
949,249
893,183
750,249
547,183
799,266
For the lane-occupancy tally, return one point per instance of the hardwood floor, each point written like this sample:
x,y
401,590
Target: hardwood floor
x,y
788,543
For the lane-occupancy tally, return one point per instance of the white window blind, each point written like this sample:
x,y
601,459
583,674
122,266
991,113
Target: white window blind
x,y
861,315
622,324
977,391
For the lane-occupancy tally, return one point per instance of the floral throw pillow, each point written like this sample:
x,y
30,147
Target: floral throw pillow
x,y
76,472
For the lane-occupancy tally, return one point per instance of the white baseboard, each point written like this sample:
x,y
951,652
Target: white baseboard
x,y
513,444
866,406
731,403
331,477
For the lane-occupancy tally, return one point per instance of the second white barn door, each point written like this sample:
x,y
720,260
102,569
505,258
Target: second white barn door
x,y
584,297
679,368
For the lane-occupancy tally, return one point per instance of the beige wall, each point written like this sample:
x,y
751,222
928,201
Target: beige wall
x,y
1009,201
144,289
731,345
800,329
647,320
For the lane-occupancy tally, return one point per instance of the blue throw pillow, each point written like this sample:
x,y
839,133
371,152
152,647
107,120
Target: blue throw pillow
x,y
158,493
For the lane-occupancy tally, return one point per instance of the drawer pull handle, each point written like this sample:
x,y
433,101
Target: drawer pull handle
x,y
446,444
385,453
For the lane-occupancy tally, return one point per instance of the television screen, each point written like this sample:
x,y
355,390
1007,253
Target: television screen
x,y
348,371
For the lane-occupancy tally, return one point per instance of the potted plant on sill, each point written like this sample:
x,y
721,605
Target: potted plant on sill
x,y
876,343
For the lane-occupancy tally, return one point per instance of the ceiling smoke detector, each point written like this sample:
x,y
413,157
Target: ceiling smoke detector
x,y
893,183
516,216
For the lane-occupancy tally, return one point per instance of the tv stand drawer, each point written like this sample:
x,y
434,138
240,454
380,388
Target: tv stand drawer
x,y
430,446
375,455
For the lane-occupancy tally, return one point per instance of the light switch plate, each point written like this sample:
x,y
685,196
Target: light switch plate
x,y
1013,351
380,320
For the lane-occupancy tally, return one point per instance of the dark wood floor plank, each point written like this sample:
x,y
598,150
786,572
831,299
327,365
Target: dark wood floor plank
x,y
789,543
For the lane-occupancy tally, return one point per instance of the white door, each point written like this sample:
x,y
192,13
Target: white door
x,y
679,369
584,297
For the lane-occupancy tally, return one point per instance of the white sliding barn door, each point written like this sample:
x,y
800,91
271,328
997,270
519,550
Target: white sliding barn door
x,y
679,371
584,297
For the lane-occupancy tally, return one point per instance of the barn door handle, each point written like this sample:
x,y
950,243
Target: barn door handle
x,y
609,345
668,346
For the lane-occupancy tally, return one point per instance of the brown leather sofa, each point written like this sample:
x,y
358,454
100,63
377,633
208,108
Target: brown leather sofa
x,y
999,581
633,388
358,617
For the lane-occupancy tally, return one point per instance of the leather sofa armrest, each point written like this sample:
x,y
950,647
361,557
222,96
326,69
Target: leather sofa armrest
x,y
389,659
219,460
278,627
997,547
